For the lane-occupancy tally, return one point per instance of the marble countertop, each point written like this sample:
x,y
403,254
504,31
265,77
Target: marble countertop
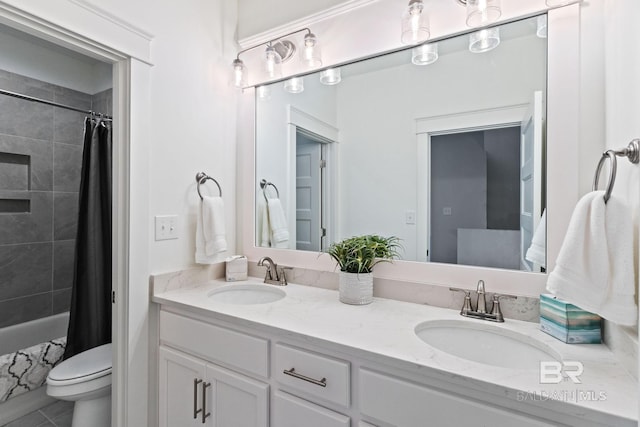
x,y
386,328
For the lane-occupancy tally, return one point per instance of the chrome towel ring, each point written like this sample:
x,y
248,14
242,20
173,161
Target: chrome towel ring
x,y
264,184
201,177
631,151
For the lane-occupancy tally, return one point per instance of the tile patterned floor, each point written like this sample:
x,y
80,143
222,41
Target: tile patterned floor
x,y
57,414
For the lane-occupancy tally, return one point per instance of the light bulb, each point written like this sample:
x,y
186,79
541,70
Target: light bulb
x,y
264,92
484,40
330,76
272,63
415,23
294,85
311,52
425,54
482,12
239,74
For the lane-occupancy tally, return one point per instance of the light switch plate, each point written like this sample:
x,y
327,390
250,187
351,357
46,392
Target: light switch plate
x,y
410,217
166,227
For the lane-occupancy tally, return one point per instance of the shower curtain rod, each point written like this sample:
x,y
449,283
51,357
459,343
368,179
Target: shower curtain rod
x,y
55,104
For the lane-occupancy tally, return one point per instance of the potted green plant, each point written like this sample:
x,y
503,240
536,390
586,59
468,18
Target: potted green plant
x,y
356,257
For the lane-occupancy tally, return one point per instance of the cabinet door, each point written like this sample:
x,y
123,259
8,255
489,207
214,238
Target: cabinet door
x,y
180,391
234,400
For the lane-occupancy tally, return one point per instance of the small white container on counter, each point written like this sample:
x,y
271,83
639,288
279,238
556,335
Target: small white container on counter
x,y
236,268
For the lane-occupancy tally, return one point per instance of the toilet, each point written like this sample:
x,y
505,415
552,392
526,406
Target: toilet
x,y
86,380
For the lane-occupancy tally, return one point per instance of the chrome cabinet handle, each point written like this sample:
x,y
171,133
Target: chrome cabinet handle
x,y
196,411
292,372
205,414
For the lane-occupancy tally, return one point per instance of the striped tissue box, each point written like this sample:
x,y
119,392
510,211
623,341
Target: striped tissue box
x,y
567,322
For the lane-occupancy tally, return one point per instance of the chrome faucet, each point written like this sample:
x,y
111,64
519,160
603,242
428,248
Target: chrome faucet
x,y
274,275
481,304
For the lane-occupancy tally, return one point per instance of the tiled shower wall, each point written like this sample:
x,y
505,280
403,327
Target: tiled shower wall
x,y
40,163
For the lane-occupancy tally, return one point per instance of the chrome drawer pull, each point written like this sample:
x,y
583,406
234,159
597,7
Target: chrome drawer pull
x,y
196,411
293,373
205,414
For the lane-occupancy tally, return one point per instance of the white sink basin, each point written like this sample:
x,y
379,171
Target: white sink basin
x,y
247,293
485,343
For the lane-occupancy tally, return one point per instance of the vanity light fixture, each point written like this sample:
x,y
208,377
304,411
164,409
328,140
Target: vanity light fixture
x,y
484,40
541,26
294,85
415,23
278,51
330,76
481,12
425,54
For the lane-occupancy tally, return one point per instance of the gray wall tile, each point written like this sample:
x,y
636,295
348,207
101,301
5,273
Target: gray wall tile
x,y
22,310
72,98
25,118
68,126
67,164
26,86
61,300
63,263
65,215
36,226
40,154
25,269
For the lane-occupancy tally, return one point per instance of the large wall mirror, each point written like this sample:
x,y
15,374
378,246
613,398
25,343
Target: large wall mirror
x,y
449,156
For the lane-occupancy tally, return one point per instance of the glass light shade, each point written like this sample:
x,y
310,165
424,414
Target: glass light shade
x,y
264,92
272,63
310,52
330,76
294,85
482,12
484,40
415,24
541,26
239,74
425,54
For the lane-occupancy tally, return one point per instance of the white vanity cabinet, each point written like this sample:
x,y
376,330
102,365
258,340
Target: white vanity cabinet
x,y
247,374
197,392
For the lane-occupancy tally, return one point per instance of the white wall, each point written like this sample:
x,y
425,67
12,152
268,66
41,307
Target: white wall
x,y
27,56
256,16
621,70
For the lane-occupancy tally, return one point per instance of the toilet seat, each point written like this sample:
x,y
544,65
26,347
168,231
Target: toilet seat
x,y
83,367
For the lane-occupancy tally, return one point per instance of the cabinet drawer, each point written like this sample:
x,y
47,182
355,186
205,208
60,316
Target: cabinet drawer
x,y
215,343
417,405
289,411
308,367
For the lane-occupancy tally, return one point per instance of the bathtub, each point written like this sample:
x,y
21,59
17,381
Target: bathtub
x,y
14,338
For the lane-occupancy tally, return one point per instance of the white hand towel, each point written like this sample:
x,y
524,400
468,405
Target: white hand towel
x,y
594,269
537,251
210,230
278,223
264,229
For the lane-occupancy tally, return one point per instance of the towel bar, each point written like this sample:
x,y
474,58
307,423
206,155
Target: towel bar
x,y
201,177
631,151
264,184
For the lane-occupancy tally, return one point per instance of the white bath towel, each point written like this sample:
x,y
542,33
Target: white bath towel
x,y
278,224
537,251
594,269
210,230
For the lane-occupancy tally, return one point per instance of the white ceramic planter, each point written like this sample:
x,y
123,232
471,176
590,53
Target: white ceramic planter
x,y
356,288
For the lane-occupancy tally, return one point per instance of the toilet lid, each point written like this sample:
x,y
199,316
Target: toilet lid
x,y
90,364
